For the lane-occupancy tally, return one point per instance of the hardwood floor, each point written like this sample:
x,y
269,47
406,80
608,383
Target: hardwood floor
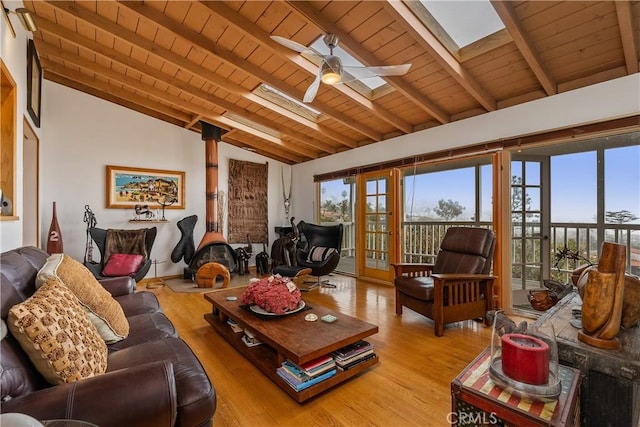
x,y
409,387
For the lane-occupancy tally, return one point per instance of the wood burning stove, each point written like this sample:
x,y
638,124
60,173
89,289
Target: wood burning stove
x,y
213,247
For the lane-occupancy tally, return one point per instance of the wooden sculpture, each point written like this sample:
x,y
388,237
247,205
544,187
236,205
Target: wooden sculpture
x,y
54,237
602,298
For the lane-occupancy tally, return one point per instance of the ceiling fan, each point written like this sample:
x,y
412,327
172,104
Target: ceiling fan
x,y
332,71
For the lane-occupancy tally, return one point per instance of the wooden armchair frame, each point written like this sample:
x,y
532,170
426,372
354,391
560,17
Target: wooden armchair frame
x,y
456,297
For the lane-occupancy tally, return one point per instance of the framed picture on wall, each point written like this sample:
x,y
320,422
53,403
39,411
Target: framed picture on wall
x,y
128,187
34,83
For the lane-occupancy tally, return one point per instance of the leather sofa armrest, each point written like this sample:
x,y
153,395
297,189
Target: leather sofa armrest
x,y
118,286
101,400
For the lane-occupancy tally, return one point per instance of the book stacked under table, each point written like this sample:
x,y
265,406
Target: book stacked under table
x,y
353,354
302,376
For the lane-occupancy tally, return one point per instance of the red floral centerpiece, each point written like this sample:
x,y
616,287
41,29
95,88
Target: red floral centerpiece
x,y
275,294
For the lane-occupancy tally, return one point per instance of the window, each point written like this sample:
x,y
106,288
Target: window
x,y
462,194
622,185
574,187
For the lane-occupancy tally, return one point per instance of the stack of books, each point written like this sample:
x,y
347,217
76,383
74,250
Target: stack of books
x,y
234,326
249,339
349,356
300,377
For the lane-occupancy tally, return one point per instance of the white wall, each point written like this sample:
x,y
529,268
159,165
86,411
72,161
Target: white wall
x,y
85,134
604,101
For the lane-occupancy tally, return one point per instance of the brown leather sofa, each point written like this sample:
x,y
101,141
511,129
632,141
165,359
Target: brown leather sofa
x,y
153,378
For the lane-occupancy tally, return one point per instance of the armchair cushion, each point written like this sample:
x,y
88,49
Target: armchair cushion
x,y
416,287
104,311
57,335
122,265
320,253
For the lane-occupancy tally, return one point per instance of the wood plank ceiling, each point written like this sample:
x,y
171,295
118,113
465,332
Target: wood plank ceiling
x,y
187,61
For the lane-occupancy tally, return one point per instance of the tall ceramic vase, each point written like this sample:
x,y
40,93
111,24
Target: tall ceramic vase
x,y
54,238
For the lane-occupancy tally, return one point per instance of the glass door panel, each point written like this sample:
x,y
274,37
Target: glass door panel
x,y
376,229
530,226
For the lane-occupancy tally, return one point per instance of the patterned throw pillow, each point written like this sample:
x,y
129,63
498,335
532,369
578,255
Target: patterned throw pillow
x,y
53,329
320,253
104,311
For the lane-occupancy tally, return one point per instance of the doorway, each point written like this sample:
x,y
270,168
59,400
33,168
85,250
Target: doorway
x,y
376,224
30,167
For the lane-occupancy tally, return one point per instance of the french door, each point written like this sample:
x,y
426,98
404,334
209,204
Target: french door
x,y
530,222
377,224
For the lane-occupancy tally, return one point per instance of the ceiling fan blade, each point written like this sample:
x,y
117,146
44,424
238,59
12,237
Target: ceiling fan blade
x,y
383,70
312,90
291,44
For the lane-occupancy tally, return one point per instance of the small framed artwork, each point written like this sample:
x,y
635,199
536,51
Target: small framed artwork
x,y
34,83
128,187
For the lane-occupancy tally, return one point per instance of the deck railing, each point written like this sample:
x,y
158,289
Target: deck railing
x,y
421,241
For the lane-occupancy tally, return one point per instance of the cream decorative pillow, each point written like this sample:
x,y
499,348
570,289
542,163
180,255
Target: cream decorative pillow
x,y
104,311
53,329
320,253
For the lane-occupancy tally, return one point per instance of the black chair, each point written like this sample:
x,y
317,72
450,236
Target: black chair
x,y
322,253
99,235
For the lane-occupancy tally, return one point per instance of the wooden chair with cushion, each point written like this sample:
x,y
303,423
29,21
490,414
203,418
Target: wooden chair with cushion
x,y
457,286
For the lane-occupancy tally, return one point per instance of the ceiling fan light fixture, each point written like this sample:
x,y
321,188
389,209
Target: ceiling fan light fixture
x,y
331,70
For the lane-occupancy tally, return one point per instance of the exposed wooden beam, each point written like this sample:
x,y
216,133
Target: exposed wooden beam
x,y
134,84
234,137
182,63
484,45
507,14
209,47
249,28
309,13
131,102
97,48
192,121
625,22
432,45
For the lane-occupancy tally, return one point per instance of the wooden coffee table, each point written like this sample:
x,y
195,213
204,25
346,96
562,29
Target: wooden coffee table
x,y
288,337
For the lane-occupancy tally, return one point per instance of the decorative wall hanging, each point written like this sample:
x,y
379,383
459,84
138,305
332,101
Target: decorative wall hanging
x,y
128,187
247,201
34,83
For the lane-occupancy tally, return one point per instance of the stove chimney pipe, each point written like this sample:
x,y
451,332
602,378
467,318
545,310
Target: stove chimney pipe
x,y
211,135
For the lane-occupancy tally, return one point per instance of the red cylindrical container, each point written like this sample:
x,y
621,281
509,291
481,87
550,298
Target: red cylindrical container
x,y
525,359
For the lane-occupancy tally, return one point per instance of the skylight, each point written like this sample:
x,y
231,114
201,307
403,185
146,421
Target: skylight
x,y
465,21
347,60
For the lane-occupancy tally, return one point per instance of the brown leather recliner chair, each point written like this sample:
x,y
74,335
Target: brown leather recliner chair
x,y
457,287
